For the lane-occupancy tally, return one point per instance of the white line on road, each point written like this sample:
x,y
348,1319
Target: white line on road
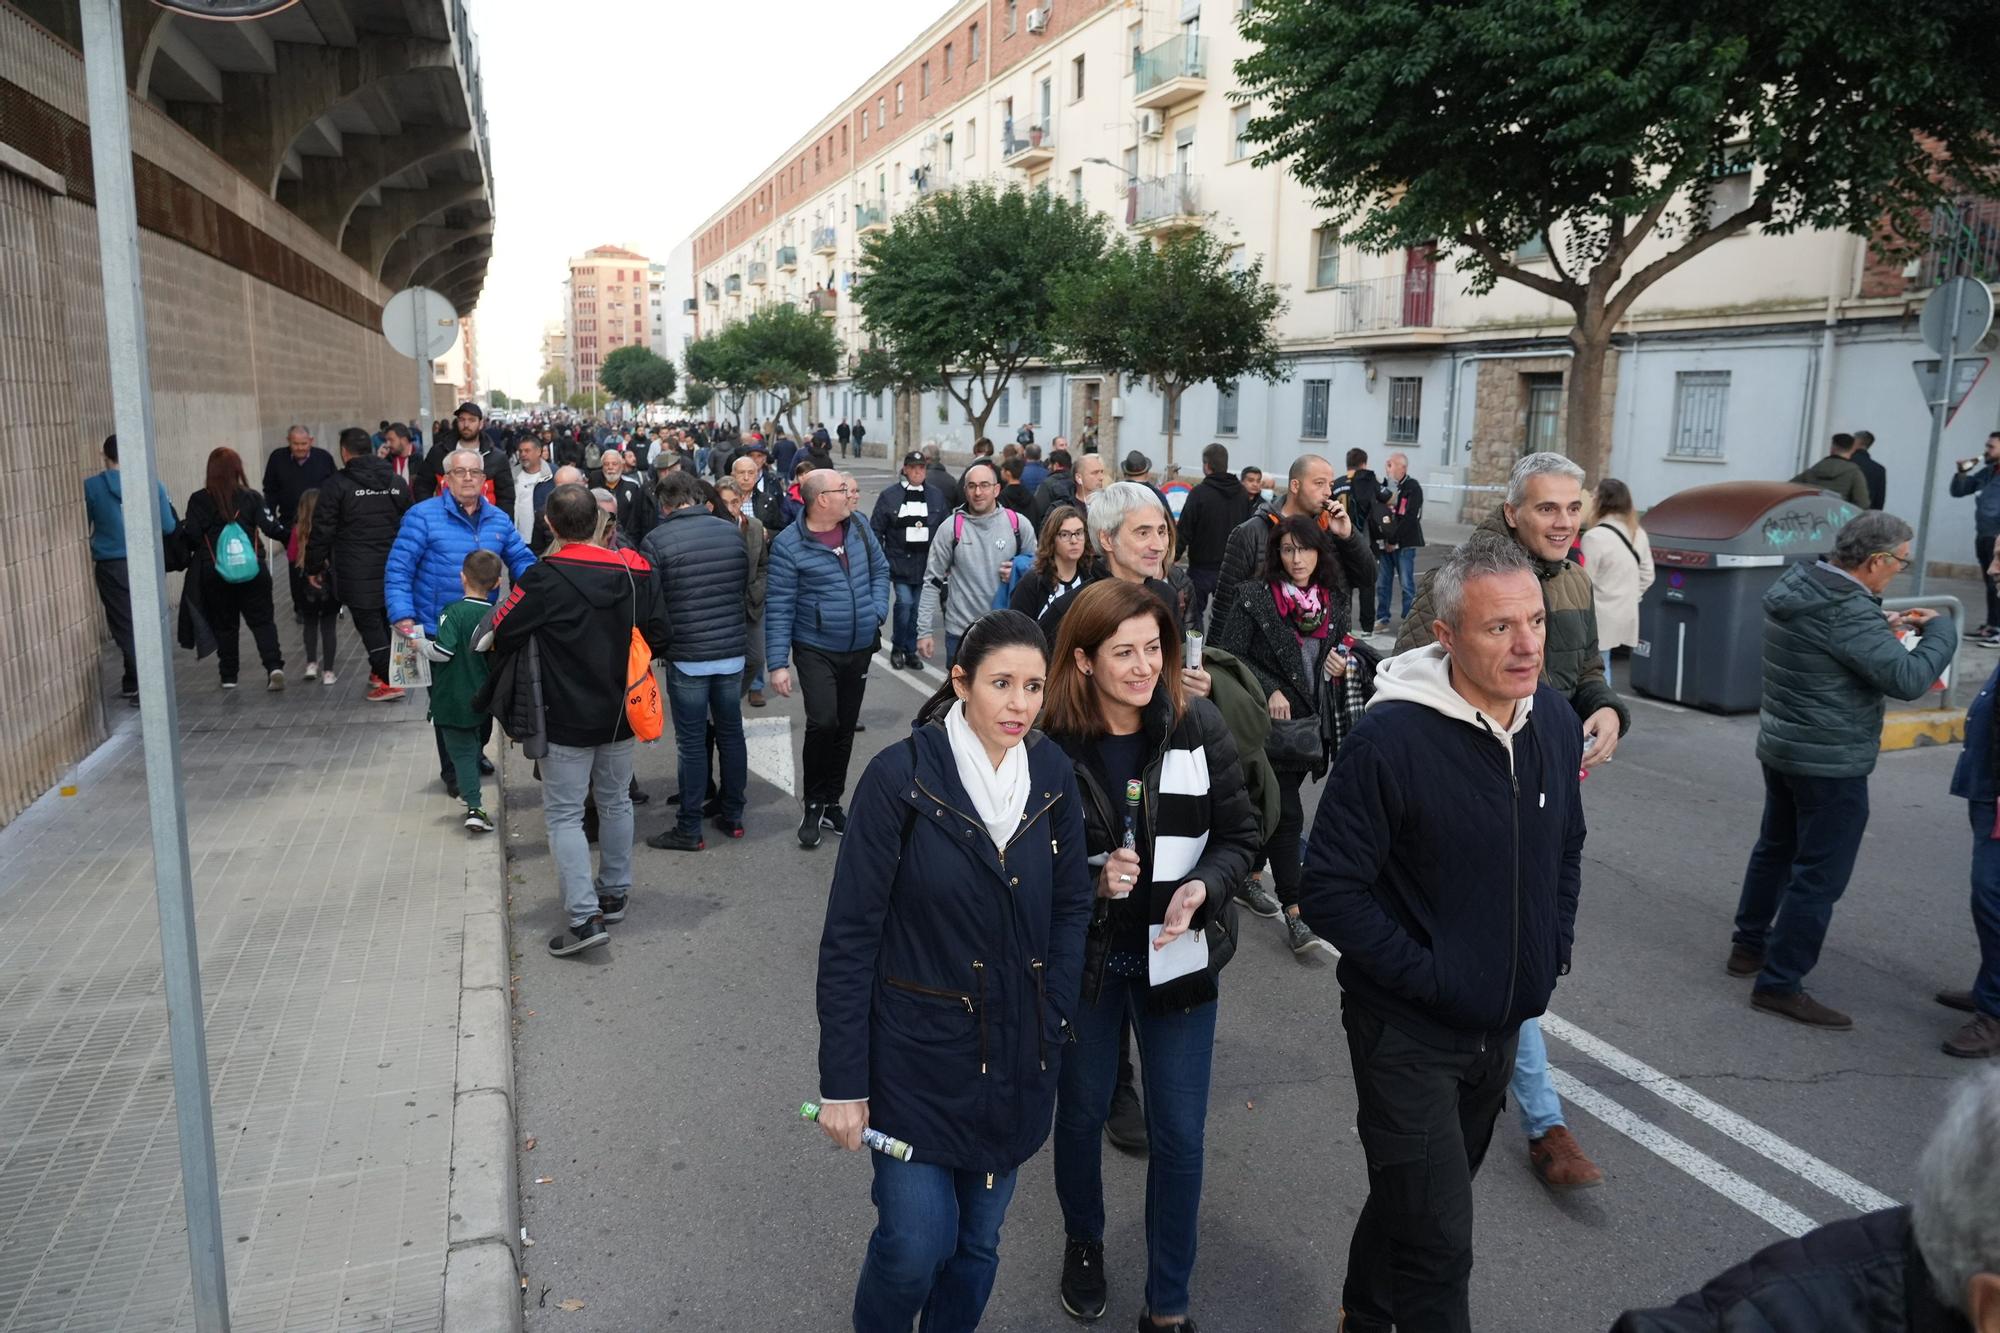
x,y
769,743
1637,697
1720,1118
1684,1155
925,684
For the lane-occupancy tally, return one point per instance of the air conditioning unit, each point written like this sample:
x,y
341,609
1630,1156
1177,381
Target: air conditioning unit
x,y
1151,126
1038,19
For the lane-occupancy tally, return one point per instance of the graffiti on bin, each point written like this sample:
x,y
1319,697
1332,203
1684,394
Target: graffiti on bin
x,y
1797,527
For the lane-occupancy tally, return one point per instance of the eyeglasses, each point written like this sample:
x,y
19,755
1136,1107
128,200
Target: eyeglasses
x,y
468,472
1902,562
1070,535
982,485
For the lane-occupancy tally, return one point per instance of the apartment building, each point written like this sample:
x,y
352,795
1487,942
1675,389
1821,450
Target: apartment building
x,y
1738,365
608,306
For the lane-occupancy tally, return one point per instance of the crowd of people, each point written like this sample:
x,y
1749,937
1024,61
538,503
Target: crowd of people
x,y
1043,879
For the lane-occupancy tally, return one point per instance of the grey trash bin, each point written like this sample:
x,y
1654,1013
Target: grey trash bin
x,y
1716,549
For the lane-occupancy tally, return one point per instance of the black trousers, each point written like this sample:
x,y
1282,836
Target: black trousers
x,y
1283,848
1426,1117
1364,623
114,589
321,623
1983,547
831,684
372,624
233,605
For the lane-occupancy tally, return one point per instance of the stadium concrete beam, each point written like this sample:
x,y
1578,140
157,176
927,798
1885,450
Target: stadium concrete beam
x,y
372,231
329,189
420,244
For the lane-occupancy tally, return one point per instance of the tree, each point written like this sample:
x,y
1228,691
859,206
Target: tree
x,y
880,368
714,360
1597,128
1174,316
965,283
581,401
696,395
637,375
783,350
497,399
554,384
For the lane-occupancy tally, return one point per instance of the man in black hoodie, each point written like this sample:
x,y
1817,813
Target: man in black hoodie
x,y
1358,491
468,431
1212,511
1444,864
360,511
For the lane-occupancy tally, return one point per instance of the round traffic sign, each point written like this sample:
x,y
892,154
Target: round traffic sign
x,y
1956,317
420,324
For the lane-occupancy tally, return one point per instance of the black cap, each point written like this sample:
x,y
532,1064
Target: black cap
x,y
1137,464
912,458
474,408
756,446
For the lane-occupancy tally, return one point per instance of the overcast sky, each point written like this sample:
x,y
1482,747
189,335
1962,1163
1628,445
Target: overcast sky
x,y
704,93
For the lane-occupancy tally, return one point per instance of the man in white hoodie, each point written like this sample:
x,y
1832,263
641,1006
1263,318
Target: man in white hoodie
x,y
1444,864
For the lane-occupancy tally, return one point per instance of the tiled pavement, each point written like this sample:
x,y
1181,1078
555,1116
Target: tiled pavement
x,y
329,873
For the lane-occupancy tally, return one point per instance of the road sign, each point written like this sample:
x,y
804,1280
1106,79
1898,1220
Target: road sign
x,y
1964,374
1956,317
232,11
419,314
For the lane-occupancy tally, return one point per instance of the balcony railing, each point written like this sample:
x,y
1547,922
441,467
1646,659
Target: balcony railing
x,y
1174,70
1164,202
1377,305
1038,147
825,240
871,215
825,300
688,306
708,290
760,272
733,285
1965,243
934,180
788,257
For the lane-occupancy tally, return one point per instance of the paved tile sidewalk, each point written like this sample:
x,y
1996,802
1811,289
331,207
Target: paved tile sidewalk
x,y
330,875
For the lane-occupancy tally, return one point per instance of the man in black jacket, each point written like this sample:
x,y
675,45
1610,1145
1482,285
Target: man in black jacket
x,y
1873,472
1212,511
360,511
1444,865
292,471
468,432
703,571
1356,491
580,607
906,513
1058,488
637,513
1397,529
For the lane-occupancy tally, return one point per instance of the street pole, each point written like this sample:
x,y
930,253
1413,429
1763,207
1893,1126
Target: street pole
x,y
132,412
1940,407
417,340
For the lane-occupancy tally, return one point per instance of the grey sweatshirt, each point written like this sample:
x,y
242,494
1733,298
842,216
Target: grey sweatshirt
x,y
970,564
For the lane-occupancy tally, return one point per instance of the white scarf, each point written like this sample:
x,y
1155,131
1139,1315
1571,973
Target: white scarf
x,y
999,795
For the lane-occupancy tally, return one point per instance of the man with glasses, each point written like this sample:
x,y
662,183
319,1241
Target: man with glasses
x,y
1830,655
906,513
970,561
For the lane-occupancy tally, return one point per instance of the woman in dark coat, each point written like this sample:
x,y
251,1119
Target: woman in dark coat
x,y
1063,562
1287,625
948,970
226,498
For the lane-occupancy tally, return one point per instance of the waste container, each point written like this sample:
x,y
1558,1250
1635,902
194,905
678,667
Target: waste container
x,y
1716,549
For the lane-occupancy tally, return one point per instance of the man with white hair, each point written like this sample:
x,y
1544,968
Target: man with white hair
x,y
1932,1266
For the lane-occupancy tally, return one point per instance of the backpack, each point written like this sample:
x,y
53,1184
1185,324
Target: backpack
x,y
642,696
234,555
592,455
1002,592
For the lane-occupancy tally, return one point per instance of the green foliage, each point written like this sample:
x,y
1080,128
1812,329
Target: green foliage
x,y
964,284
555,382
637,375
880,368
696,395
1174,316
497,399
714,360
784,350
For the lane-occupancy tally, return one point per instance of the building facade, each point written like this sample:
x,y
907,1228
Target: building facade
x,y
608,305
1738,365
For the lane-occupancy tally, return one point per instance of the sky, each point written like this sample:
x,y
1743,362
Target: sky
x,y
703,96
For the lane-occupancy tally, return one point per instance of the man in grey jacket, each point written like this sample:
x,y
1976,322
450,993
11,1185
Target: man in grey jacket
x,y
972,554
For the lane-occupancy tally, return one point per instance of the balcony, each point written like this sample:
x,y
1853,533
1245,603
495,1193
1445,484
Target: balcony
x,y
788,258
688,306
708,290
1037,150
1965,243
733,285
1160,205
826,240
825,300
871,217
760,273
933,180
1382,305
1173,72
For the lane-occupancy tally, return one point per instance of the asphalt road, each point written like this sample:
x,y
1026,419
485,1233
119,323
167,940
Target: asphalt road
x,y
672,1185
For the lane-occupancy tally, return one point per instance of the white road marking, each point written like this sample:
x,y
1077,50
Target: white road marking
x,y
769,742
1720,1118
1684,1155
925,684
1637,697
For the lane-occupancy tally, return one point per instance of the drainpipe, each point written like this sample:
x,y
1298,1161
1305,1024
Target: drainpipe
x,y
1842,275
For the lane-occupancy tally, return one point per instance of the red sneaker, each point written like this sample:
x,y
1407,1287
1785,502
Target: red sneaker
x,y
381,691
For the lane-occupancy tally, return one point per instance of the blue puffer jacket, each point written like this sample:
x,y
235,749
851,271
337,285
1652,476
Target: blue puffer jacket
x,y
422,575
948,969
810,600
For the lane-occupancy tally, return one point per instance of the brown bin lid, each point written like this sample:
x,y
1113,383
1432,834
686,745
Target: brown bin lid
x,y
1719,512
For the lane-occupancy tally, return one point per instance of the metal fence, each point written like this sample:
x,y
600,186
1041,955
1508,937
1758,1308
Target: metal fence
x,y
1965,243
1374,305
1180,57
1154,198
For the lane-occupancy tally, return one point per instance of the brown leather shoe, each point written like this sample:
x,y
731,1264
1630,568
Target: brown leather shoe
x,y
1960,1000
1559,1163
1800,1008
756,698
1979,1039
1744,963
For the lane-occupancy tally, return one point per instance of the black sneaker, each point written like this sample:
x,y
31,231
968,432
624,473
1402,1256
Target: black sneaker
x,y
578,938
640,795
896,659
485,766
610,908
911,662
1083,1287
1126,1125
809,826
732,827
1146,1325
451,786
673,840
835,818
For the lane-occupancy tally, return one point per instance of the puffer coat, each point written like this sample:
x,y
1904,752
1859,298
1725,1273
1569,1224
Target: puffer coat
x,y
703,569
421,578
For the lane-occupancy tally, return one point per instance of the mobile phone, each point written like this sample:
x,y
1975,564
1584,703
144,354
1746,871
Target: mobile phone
x,y
1193,658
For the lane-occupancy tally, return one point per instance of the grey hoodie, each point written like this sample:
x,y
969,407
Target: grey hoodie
x,y
967,555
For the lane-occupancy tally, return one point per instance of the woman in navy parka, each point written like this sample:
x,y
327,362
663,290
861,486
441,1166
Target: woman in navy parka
x,y
949,966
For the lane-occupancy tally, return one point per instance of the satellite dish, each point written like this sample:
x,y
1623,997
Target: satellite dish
x,y
225,11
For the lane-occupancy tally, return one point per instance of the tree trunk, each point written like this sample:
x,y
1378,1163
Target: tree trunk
x,y
1172,394
1586,430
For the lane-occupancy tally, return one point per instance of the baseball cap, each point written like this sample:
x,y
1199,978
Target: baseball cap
x,y
474,408
912,458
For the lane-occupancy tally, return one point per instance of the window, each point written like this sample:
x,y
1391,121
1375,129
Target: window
x,y
1013,15
971,138
1313,424
899,97
1170,418
1225,408
864,124
1530,250
1701,402
1076,186
882,107
815,159
1406,401
1136,41
1239,131
1035,405
1004,407
947,61
923,87
972,44
843,141
1076,79
1729,185
1326,257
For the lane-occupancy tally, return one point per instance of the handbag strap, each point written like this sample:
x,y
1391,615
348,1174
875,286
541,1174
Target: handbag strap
x,y
1623,540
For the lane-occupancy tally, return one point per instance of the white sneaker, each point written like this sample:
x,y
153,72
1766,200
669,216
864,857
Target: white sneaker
x,y
277,681
312,671
326,679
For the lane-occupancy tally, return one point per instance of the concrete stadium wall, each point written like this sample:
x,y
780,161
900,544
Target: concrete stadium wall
x,y
234,358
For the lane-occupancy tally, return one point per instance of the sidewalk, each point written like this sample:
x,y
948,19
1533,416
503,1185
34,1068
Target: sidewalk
x,y
342,908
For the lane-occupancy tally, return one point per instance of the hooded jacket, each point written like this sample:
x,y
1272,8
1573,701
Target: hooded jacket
x,y
1446,856
810,600
360,512
1214,509
580,605
421,577
1829,658
1571,662
967,553
1842,476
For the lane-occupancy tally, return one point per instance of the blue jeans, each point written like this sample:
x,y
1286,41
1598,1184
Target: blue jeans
x,y
1174,1055
1798,870
935,1248
1390,566
695,701
1533,1090
1986,907
903,623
